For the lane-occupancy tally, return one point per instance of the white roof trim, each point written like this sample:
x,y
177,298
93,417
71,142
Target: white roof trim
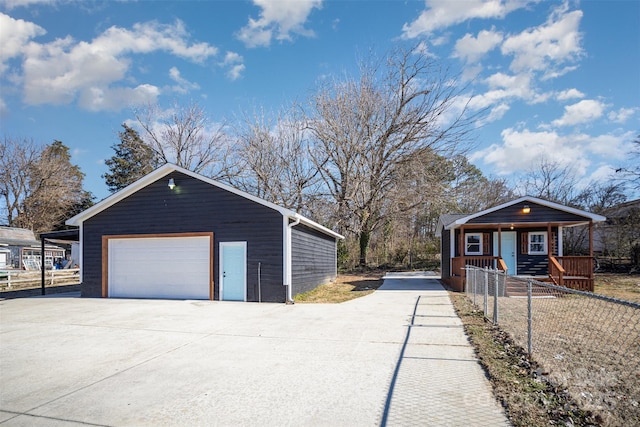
x,y
166,170
593,217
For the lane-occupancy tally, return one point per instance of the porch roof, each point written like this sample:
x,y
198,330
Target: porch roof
x,y
566,216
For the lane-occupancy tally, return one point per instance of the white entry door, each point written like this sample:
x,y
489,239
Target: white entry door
x,y
233,271
508,246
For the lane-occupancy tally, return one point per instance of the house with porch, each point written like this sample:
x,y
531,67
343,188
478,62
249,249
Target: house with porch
x,y
522,237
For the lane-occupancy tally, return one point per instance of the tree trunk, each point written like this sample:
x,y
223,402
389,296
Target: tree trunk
x,y
364,247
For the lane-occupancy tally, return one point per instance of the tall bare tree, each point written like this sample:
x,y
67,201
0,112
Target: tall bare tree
x,y
43,188
631,174
370,126
185,136
275,158
16,159
551,181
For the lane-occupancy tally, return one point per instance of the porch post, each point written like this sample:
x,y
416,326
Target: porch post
x,y
499,241
591,239
42,266
461,248
549,246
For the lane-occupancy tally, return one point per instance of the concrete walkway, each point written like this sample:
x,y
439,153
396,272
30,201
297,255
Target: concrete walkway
x,y
438,380
396,357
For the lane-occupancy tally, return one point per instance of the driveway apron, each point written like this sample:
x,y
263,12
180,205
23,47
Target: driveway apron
x,y
396,357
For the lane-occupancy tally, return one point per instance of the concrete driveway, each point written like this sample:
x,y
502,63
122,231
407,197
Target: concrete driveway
x,y
396,357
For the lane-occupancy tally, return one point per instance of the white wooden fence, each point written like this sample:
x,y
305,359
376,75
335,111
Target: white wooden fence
x,y
21,279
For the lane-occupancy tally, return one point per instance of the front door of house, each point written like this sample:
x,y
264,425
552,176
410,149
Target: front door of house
x,y
233,271
508,246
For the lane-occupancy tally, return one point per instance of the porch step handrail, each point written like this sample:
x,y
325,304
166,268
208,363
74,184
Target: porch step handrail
x,y
556,271
502,265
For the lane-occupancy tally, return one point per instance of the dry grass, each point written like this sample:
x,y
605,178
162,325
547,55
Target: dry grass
x,y
621,286
586,346
345,288
529,399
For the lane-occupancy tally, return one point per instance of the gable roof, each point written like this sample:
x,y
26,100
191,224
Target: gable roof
x,y
17,236
454,221
165,170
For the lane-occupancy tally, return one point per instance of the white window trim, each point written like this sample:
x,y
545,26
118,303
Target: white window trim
x,y
545,242
466,243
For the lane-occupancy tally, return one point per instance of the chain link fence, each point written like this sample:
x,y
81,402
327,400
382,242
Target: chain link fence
x,y
587,343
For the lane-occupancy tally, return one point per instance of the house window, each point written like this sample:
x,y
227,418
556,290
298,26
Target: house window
x,y
538,243
473,244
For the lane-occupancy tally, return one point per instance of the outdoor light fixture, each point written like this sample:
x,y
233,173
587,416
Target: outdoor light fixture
x,y
526,209
171,183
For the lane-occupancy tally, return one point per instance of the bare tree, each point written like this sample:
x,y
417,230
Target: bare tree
x,y
42,188
186,137
275,156
16,159
368,127
551,181
631,174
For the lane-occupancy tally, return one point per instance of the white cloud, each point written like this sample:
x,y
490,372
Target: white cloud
x,y
569,94
279,20
505,87
581,112
439,14
15,34
234,64
497,112
610,146
547,47
183,85
95,72
472,48
622,115
11,4
150,37
522,150
115,99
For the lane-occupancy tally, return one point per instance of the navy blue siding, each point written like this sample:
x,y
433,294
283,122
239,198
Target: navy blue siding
x,y
313,258
193,206
540,214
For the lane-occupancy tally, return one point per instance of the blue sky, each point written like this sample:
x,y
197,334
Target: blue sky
x,y
561,80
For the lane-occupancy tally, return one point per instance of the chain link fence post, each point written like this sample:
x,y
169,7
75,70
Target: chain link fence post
x,y
529,318
486,291
466,279
475,284
495,297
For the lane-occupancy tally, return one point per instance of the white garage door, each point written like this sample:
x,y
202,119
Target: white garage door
x,y
160,267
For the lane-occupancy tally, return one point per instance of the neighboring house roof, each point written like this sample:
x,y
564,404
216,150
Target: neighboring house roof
x,y
18,237
166,170
449,221
446,220
622,209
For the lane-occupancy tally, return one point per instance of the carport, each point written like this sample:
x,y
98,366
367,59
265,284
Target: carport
x,y
72,235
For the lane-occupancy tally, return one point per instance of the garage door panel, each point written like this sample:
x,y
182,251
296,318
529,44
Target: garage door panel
x,y
160,267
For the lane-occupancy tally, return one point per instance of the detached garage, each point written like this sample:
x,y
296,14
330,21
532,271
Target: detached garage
x,y
177,234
